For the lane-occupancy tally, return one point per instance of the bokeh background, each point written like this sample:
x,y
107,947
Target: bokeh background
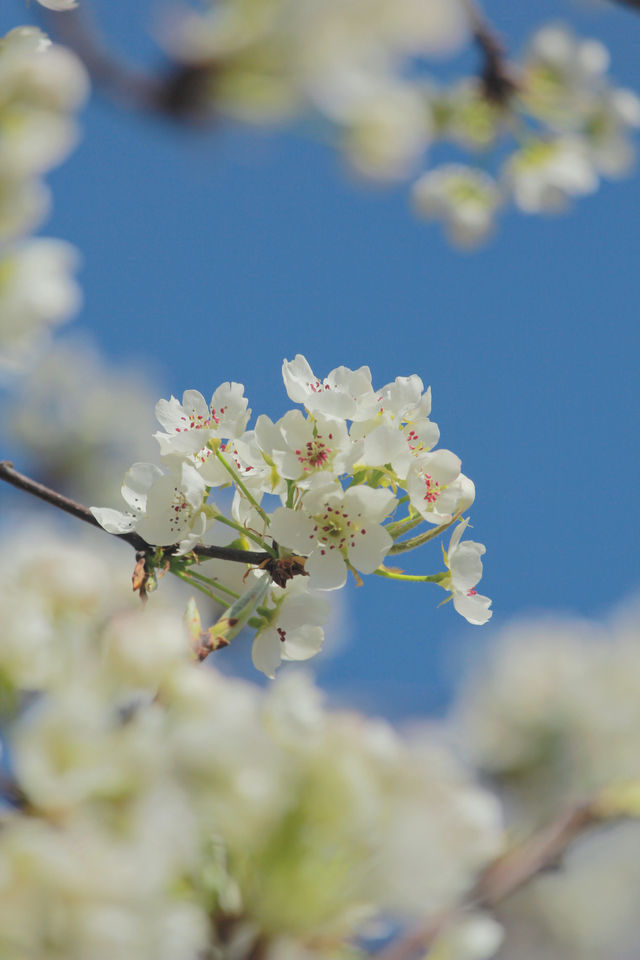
x,y
211,255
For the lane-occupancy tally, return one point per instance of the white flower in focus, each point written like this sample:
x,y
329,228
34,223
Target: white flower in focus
x,y
465,571
334,526
437,488
165,508
37,292
401,429
190,425
296,632
344,395
545,174
464,198
300,447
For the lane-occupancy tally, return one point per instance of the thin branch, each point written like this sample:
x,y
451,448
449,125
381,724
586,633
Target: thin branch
x,y
178,91
22,482
503,877
497,76
634,4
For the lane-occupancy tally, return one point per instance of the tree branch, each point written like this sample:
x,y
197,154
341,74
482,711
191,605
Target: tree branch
x,y
497,76
177,91
634,4
503,877
22,482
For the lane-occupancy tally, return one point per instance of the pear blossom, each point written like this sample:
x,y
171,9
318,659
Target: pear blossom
x,y
37,293
465,198
543,175
295,633
299,447
387,134
335,526
190,425
401,429
465,571
437,488
166,508
43,84
58,4
344,395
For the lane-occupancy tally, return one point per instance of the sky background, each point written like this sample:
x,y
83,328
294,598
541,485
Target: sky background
x,y
212,256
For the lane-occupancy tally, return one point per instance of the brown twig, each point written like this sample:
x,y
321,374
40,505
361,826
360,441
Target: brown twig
x,y
178,91
22,482
497,76
503,877
634,4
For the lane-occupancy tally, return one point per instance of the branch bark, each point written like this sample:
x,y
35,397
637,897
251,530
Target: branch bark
x,y
503,877
10,475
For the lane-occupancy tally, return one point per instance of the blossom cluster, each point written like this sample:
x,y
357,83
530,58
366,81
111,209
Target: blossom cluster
x,y
352,476
42,86
160,810
551,123
550,719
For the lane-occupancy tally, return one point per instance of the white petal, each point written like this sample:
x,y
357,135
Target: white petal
x,y
303,643
370,548
266,652
114,521
293,529
137,483
327,570
474,608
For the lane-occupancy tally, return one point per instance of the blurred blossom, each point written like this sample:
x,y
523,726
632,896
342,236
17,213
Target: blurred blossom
x,y
58,4
556,714
552,717
166,804
545,174
98,417
465,116
57,589
43,85
464,198
588,910
37,292
347,62
472,936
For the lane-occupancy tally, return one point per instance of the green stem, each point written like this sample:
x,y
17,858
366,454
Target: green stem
x,y
413,578
246,533
238,482
213,583
399,527
183,575
423,537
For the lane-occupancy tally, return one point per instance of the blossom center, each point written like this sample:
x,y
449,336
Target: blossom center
x,y
315,454
432,488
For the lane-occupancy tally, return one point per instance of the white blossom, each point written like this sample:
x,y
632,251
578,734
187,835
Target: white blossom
x,y
295,633
190,425
343,395
37,293
334,526
464,198
465,572
166,508
545,174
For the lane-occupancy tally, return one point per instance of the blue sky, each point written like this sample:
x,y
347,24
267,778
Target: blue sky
x,y
215,255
